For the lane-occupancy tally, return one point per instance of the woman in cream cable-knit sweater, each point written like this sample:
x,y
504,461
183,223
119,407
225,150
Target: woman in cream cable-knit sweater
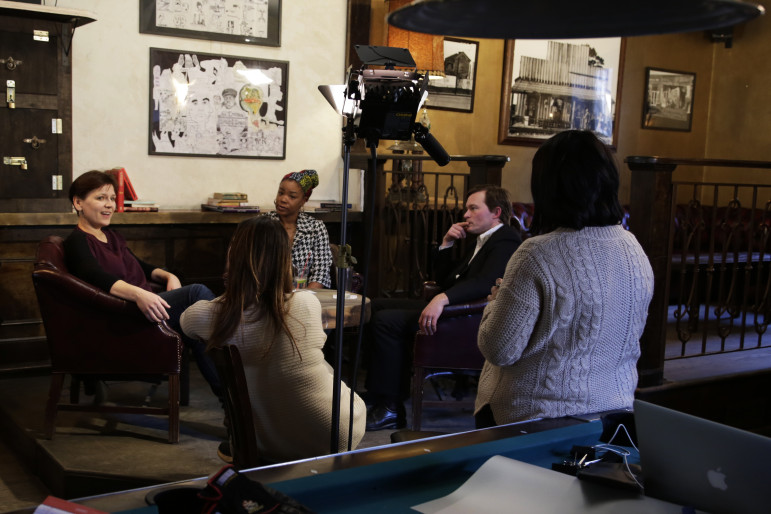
x,y
561,334
280,337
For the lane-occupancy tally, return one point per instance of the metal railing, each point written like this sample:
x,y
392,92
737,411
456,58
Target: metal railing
x,y
412,211
418,210
721,267
708,244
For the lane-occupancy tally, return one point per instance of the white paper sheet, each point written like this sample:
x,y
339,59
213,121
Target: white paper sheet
x,y
506,485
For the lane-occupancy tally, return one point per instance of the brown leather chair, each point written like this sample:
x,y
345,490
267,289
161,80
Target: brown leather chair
x,y
452,347
238,407
95,334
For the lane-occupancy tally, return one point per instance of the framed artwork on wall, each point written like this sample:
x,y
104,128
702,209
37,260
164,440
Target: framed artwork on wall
x,y
217,105
455,91
252,22
554,85
668,101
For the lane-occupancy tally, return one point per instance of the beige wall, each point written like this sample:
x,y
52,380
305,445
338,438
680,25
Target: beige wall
x,y
732,111
111,102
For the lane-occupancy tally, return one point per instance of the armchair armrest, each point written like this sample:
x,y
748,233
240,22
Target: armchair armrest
x,y
464,309
430,289
78,291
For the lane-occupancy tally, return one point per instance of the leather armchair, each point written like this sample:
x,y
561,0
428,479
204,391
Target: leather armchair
x,y
452,347
95,334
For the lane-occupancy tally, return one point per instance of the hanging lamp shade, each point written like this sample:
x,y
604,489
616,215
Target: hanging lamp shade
x,y
426,49
565,19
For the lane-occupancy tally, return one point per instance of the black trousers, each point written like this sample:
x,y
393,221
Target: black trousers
x,y
391,335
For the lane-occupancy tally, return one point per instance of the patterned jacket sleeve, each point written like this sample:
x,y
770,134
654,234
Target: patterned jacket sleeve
x,y
321,260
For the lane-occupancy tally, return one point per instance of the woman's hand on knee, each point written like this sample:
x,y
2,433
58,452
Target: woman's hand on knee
x,y
152,306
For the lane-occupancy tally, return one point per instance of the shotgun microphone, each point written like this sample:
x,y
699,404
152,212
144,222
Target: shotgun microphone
x,y
431,145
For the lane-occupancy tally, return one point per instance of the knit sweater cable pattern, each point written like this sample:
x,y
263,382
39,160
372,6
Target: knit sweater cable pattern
x,y
562,335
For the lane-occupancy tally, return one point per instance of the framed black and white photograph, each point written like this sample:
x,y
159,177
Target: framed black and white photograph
x,y
668,101
554,85
455,91
217,105
252,22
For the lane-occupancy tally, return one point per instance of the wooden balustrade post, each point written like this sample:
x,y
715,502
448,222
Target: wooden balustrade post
x,y
651,222
485,169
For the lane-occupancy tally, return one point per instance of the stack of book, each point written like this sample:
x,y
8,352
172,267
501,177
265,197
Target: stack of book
x,y
125,189
140,206
126,199
229,202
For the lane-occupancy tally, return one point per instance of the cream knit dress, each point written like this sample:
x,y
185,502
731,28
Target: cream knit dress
x,y
562,335
291,394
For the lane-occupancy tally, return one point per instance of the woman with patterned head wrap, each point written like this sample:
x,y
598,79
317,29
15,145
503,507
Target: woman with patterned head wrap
x,y
308,236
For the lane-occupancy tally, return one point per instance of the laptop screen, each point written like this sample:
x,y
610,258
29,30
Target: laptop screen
x,y
699,463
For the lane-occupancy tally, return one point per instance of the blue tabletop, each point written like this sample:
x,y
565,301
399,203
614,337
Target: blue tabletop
x,y
395,486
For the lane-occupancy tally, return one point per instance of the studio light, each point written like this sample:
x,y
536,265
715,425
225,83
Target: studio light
x,y
383,103
566,19
377,103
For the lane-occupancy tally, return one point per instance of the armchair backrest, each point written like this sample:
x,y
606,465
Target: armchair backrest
x,y
243,440
90,331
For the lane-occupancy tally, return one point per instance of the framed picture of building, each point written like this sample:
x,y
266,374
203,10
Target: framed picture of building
x,y
251,22
668,100
455,91
217,105
555,85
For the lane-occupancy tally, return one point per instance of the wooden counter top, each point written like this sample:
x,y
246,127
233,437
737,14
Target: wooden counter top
x,y
170,217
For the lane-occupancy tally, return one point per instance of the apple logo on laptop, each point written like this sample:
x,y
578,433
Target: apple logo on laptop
x,y
716,479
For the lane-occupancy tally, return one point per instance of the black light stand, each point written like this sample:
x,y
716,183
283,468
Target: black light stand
x,y
343,264
384,106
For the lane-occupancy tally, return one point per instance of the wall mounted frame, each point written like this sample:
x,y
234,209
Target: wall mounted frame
x,y
455,92
668,99
215,105
550,86
235,21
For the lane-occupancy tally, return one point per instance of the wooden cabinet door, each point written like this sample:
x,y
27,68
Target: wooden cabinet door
x,y
38,127
37,72
27,134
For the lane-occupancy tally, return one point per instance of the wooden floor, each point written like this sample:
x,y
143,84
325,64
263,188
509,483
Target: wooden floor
x,y
83,442
19,488
100,451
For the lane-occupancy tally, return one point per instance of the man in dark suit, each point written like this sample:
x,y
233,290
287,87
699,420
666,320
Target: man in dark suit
x,y
394,321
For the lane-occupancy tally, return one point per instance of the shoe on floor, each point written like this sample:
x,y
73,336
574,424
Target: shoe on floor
x,y
380,417
224,453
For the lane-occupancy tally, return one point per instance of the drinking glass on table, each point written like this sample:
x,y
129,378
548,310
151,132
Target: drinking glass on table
x,y
301,280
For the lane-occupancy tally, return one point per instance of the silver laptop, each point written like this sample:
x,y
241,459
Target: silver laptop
x,y
702,464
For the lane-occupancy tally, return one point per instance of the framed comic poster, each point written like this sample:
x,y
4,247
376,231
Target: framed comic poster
x,y
252,22
668,101
555,85
217,105
455,91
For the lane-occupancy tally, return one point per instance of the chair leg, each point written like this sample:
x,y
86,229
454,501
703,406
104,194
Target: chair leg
x,y
418,377
54,393
184,378
174,391
74,389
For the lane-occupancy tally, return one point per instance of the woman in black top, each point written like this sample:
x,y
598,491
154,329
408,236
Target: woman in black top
x,y
99,256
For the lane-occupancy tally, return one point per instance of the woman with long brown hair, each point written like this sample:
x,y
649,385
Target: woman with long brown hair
x,y
280,337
